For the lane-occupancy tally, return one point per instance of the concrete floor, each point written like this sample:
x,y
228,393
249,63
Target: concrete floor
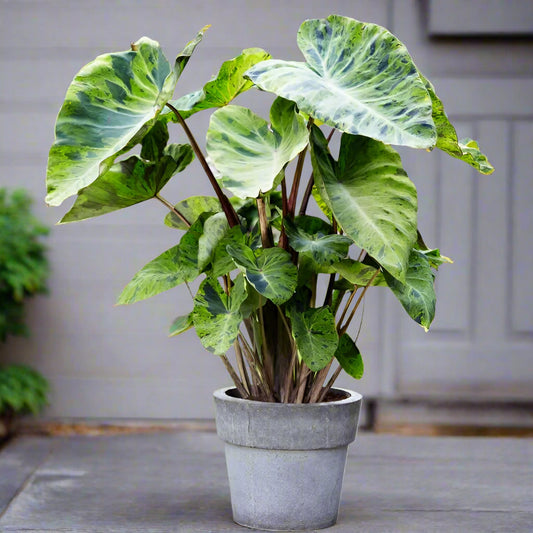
x,y
176,482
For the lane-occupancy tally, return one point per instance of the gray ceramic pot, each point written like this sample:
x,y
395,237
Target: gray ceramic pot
x,y
286,461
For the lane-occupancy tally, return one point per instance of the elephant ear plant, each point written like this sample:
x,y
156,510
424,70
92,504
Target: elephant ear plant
x,y
260,256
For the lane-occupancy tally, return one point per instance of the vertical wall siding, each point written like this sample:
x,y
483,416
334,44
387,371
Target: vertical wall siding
x,y
480,343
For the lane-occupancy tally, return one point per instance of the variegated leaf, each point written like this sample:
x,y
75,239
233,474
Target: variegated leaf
x,y
247,153
417,293
127,183
370,196
358,78
109,106
271,272
349,357
173,267
220,91
315,335
314,236
216,315
467,150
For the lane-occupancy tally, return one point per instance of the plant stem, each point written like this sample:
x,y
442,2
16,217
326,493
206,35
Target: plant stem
x,y
329,291
266,237
257,380
302,383
268,362
316,388
166,203
283,240
345,310
310,183
331,381
307,194
242,368
343,329
235,377
231,215
296,182
297,175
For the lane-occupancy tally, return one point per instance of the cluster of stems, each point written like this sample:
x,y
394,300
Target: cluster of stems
x,y
267,365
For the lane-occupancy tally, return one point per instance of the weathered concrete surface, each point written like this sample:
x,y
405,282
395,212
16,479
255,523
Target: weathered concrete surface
x,y
176,482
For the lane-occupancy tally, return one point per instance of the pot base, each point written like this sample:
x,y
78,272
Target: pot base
x,y
285,490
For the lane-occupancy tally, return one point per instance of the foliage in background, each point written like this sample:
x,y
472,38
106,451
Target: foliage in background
x,y
23,273
259,254
22,390
23,264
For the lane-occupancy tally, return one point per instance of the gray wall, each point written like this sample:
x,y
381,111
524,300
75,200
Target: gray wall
x,y
111,361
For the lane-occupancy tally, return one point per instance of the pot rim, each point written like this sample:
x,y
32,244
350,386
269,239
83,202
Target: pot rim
x,y
353,396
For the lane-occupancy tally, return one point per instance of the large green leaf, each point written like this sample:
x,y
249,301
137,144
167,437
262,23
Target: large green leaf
x,y
173,267
248,154
467,150
109,106
217,315
349,357
417,294
370,196
358,78
313,236
315,335
127,183
227,85
272,272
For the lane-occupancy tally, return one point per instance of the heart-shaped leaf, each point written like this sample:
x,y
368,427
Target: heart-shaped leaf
x,y
247,153
315,335
313,236
127,183
168,270
358,78
109,106
370,196
228,84
217,315
417,294
349,357
272,272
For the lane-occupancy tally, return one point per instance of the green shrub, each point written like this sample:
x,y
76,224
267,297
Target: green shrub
x,y
22,390
23,265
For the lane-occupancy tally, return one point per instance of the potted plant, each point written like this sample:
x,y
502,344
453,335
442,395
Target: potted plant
x,y
23,273
279,287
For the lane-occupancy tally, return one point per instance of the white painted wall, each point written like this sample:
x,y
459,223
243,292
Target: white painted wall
x,y
107,361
